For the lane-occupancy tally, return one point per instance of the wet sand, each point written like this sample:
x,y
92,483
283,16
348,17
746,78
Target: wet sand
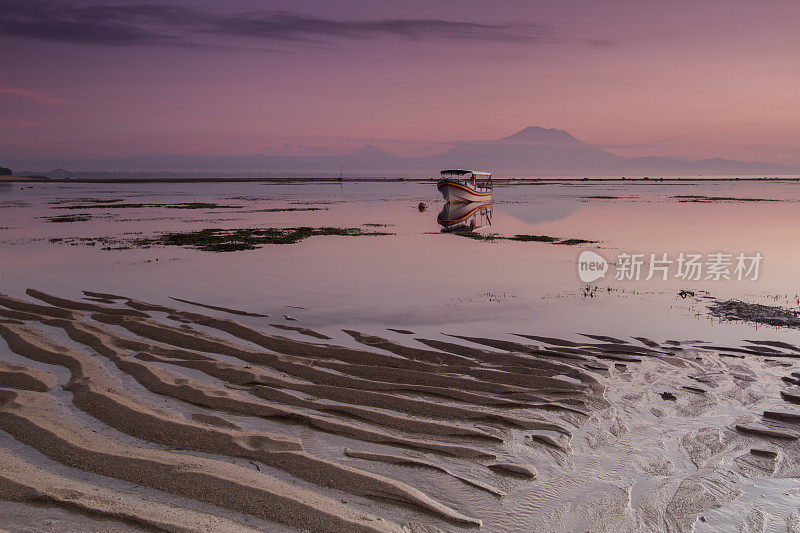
x,y
160,416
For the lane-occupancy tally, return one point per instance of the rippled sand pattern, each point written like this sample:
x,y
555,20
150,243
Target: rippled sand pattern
x,y
259,429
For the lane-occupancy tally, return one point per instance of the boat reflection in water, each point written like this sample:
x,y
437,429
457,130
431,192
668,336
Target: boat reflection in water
x,y
465,217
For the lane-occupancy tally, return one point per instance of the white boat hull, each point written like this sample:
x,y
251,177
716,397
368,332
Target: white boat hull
x,y
460,193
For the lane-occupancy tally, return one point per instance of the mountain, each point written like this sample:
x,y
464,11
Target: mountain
x,y
663,166
367,160
532,151
540,135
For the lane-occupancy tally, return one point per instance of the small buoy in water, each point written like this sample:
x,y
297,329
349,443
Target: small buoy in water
x,y
422,206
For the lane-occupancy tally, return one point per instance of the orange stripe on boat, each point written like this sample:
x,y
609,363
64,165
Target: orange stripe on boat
x,y
459,186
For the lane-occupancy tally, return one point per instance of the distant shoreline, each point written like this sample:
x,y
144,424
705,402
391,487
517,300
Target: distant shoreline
x,y
44,179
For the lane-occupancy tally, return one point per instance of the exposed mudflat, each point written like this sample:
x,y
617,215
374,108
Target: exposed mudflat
x,y
770,315
414,381
119,414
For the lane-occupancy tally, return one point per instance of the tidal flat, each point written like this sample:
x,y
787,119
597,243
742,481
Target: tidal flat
x,y
349,366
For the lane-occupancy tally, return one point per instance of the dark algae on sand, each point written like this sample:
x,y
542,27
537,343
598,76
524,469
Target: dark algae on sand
x,y
230,240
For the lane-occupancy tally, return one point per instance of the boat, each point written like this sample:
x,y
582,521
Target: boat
x,y
464,217
465,186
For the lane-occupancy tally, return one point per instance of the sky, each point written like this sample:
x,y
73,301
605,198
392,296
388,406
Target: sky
x,y
689,79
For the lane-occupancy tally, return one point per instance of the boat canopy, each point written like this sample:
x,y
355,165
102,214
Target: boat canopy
x,y
466,173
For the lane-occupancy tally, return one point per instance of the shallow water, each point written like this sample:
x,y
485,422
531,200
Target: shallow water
x,y
419,278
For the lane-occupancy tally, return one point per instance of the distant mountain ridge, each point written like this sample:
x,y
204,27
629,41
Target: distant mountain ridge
x,y
538,134
532,151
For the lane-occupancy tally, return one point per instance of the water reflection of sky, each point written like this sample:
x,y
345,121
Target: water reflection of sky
x,y
418,278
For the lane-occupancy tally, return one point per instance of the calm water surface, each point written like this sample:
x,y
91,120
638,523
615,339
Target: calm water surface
x,y
418,278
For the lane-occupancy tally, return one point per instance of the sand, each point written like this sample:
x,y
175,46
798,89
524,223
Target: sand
x,y
23,481
454,433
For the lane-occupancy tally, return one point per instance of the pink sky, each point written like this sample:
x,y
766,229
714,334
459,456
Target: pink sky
x,y
688,79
